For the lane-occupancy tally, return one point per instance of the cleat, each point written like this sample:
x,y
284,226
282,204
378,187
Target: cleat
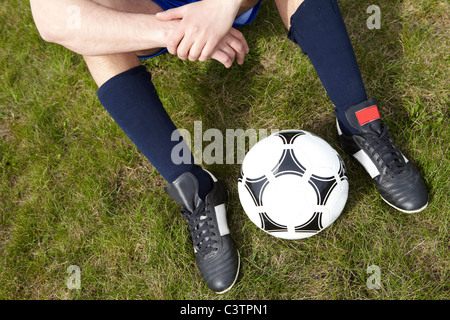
x,y
215,252
396,179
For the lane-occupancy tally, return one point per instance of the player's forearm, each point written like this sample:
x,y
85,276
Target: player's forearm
x,y
91,29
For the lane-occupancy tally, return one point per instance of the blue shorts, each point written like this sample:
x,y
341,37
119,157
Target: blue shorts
x,y
241,20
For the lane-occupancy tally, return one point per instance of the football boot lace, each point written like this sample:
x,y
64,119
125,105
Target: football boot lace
x,y
202,229
378,142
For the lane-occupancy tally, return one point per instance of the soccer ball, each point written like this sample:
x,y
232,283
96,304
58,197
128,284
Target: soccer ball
x,y
293,184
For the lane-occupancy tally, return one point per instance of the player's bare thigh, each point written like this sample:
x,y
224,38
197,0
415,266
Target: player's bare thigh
x,y
287,8
247,5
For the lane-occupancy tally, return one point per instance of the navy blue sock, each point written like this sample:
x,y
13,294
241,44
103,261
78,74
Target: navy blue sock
x,y
319,29
131,99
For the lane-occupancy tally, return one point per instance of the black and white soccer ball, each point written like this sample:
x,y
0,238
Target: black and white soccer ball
x,y
293,184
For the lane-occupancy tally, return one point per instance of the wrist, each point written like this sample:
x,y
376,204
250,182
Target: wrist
x,y
156,32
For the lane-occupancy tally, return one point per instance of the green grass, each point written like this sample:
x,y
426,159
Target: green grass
x,y
75,191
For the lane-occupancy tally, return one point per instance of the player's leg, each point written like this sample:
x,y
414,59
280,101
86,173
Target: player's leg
x,y
124,76
318,27
128,94
247,5
286,9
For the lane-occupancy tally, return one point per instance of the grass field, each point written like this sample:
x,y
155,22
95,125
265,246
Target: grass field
x,y
75,191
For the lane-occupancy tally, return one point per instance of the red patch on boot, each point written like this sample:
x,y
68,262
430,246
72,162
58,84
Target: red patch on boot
x,y
367,115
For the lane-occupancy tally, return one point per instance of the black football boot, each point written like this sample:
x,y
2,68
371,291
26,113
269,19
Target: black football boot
x,y
396,179
215,252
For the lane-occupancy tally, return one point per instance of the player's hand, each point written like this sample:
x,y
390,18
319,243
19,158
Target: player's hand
x,y
232,47
203,25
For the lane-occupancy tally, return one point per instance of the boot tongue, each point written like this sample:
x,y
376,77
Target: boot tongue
x,y
184,191
373,127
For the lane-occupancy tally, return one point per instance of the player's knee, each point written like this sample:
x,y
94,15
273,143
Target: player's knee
x,y
103,68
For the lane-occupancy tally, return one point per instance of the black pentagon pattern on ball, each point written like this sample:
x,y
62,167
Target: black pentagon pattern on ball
x,y
323,186
269,225
256,188
312,225
288,164
288,137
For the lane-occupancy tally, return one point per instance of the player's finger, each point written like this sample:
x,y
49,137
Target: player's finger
x,y
222,57
184,48
195,51
208,49
174,41
171,14
238,47
229,51
238,35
